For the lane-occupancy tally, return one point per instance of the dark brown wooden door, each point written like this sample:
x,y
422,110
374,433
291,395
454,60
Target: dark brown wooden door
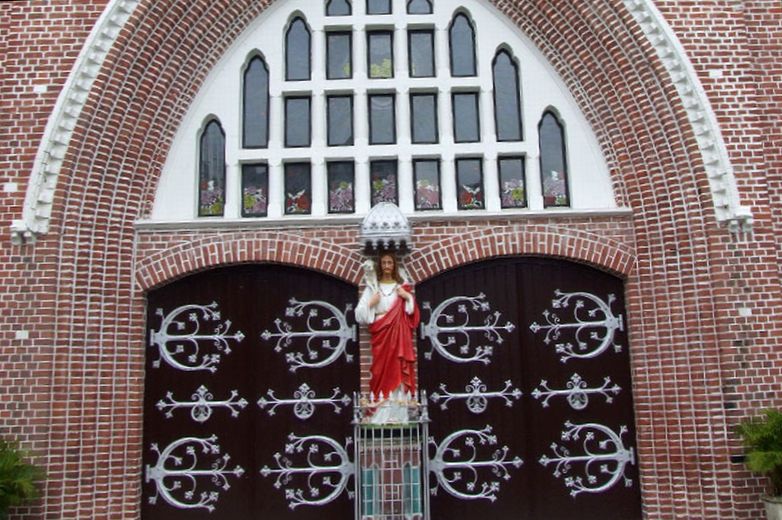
x,y
528,358
223,340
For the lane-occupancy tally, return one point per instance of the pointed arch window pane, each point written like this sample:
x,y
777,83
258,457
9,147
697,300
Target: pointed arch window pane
x,y
462,40
513,192
338,8
421,53
255,190
380,48
211,171
466,125
382,176
298,189
507,107
469,176
339,48
297,51
297,122
339,112
341,177
255,116
553,165
419,7
378,6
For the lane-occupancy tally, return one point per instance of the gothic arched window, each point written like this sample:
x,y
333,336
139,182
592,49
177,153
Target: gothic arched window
x,y
255,107
462,39
553,163
338,8
297,51
507,105
211,171
419,7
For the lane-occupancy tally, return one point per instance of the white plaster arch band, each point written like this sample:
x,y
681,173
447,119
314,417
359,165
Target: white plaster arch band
x,y
37,208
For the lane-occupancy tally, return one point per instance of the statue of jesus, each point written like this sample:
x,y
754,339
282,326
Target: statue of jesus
x,y
388,307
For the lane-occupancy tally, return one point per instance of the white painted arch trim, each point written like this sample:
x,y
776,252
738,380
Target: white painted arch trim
x,y
37,207
722,180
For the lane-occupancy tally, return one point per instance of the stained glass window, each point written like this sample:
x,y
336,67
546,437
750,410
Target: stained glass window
x,y
427,184
297,122
378,6
339,63
338,8
507,105
255,190
382,119
341,178
340,120
466,125
298,189
297,51
419,7
421,53
553,165
380,49
211,171
382,176
423,118
255,115
513,190
462,39
469,180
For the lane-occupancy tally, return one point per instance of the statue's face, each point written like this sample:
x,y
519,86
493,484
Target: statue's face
x,y
387,264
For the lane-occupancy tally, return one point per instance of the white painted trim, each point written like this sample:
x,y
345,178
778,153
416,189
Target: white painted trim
x,y
722,180
56,138
342,220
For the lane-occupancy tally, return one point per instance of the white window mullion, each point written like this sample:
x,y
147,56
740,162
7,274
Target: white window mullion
x,y
276,188
405,173
448,181
362,185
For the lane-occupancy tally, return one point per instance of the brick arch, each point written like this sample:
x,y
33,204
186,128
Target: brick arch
x,y
284,248
121,139
541,240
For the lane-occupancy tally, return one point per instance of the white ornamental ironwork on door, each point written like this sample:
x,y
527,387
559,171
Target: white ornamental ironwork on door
x,y
451,323
202,404
181,466
476,395
304,401
460,463
321,464
590,313
183,333
324,342
603,455
577,392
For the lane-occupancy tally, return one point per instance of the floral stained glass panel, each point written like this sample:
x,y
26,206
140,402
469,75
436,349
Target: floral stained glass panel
x,y
255,190
298,189
513,192
211,166
427,184
341,192
553,166
469,177
382,176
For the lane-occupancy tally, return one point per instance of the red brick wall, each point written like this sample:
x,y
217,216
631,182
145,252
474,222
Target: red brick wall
x,y
72,391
